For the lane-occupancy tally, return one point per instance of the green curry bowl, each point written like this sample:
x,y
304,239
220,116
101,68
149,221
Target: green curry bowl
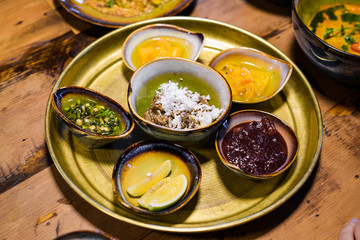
x,y
256,144
95,119
330,47
178,100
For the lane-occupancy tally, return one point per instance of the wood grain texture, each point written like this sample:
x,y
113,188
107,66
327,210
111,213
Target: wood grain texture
x,y
40,38
25,85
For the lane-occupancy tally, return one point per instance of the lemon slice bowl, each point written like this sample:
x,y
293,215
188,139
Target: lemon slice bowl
x,y
143,161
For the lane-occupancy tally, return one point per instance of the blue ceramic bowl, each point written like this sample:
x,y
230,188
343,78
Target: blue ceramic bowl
x,y
212,84
344,67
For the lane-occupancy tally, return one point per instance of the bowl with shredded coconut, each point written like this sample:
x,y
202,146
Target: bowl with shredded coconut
x,y
178,100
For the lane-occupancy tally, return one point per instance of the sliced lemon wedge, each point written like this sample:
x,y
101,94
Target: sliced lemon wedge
x,y
144,200
150,180
167,194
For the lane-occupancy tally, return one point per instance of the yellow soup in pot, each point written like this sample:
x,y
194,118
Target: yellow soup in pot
x,y
158,47
339,26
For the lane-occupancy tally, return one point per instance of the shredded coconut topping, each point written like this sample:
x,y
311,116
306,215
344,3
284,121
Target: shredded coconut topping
x,y
179,108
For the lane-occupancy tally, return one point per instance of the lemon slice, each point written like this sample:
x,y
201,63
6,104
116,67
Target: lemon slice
x,y
168,194
151,178
144,200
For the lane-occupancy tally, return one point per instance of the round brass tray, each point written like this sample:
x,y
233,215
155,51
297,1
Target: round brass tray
x,y
224,199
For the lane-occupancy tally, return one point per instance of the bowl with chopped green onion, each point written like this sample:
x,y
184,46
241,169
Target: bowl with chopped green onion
x,y
93,117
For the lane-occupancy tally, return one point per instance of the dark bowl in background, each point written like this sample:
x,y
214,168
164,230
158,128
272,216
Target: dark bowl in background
x,y
343,67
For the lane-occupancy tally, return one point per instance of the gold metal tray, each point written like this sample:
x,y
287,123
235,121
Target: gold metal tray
x,y
224,199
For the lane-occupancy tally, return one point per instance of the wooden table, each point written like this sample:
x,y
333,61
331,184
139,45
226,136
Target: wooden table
x,y
39,38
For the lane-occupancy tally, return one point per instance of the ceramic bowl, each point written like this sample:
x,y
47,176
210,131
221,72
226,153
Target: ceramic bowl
x,y
196,76
190,43
278,72
85,11
61,96
131,166
286,3
85,235
342,66
246,116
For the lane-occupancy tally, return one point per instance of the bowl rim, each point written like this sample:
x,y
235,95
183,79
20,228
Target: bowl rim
x,y
101,97
333,50
238,169
159,25
95,234
256,51
180,131
119,195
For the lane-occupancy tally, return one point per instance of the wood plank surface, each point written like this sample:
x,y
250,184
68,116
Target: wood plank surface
x,y
38,41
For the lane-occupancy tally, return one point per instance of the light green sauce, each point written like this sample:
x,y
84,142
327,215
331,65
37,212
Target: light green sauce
x,y
195,84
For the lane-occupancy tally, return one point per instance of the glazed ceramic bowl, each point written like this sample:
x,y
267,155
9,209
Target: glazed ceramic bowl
x,y
343,66
188,44
277,70
140,158
196,76
286,3
61,96
85,235
88,13
247,164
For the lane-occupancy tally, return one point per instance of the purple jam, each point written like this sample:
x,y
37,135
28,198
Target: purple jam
x,y
256,147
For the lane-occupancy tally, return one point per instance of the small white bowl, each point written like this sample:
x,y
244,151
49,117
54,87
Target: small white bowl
x,y
195,40
280,69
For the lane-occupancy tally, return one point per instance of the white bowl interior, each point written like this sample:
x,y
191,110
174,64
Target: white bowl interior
x,y
158,31
285,67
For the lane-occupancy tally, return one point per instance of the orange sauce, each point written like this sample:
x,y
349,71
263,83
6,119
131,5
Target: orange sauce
x,y
250,79
158,47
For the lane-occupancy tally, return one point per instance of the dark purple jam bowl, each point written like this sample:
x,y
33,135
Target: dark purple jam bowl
x,y
256,144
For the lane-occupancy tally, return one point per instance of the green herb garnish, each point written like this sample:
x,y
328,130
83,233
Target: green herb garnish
x,y
109,3
350,17
93,117
328,32
349,39
342,30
